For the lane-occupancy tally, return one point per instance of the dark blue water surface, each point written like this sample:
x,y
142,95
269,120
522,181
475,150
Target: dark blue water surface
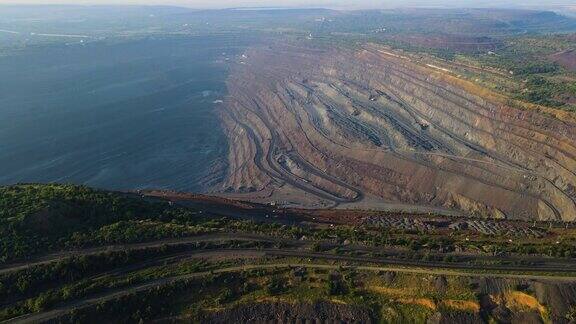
x,y
127,114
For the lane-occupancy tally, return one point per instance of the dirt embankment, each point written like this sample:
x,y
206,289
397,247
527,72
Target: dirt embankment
x,y
321,312
503,300
526,301
322,127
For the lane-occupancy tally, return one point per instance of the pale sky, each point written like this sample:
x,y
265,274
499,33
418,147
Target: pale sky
x,y
310,3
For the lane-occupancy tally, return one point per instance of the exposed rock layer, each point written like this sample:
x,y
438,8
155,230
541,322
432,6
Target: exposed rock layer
x,y
342,124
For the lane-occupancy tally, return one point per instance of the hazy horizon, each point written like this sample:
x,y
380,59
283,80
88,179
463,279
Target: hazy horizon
x,y
335,4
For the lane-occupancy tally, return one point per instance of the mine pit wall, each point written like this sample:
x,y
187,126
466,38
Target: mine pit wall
x,y
483,156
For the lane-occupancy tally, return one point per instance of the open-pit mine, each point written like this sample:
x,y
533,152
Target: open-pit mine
x,y
265,165
329,126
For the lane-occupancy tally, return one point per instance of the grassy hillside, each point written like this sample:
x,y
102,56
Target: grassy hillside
x,y
40,218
